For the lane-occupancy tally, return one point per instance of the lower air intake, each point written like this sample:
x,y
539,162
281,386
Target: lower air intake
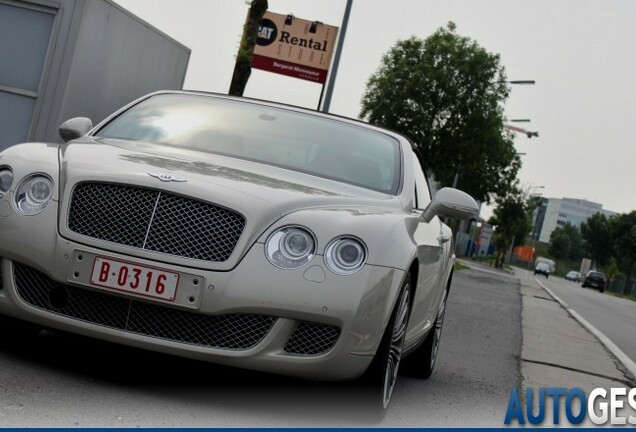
x,y
310,339
231,331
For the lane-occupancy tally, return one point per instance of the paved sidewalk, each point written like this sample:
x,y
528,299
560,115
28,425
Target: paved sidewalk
x,y
556,350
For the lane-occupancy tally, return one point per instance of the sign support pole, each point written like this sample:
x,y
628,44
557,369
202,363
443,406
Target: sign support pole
x,y
336,60
322,93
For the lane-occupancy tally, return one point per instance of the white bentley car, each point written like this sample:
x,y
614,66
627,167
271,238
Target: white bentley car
x,y
234,231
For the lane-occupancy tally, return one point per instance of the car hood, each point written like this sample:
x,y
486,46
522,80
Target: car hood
x,y
261,193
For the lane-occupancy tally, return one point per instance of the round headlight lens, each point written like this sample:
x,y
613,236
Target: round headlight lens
x,y
40,191
345,255
33,194
290,247
6,180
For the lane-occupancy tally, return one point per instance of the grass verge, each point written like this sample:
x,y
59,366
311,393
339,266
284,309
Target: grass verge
x,y
625,296
459,266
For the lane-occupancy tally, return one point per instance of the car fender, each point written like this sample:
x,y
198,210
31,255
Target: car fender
x,y
392,239
29,158
15,228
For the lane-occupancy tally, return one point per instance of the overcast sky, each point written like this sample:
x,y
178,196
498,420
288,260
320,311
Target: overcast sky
x,y
580,53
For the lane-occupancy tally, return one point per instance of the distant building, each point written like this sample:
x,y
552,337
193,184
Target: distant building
x,y
555,212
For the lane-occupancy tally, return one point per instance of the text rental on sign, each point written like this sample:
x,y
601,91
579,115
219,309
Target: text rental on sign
x,y
294,47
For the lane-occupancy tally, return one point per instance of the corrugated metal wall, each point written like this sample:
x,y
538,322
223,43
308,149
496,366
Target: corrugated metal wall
x,y
80,58
25,34
118,59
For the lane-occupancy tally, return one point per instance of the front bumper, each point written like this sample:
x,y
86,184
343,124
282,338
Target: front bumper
x,y
308,322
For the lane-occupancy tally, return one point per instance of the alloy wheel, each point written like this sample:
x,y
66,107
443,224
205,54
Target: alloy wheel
x,y
439,322
397,344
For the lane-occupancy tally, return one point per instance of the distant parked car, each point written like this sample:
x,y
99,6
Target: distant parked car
x,y
573,276
547,261
542,269
595,279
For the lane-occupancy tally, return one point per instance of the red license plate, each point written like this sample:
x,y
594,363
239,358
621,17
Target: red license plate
x,y
133,278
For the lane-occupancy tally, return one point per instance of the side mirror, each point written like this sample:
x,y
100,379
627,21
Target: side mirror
x,y
451,203
75,128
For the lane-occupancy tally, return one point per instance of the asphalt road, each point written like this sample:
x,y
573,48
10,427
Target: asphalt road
x,y
64,380
615,317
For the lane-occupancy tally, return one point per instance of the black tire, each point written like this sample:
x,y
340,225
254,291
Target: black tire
x,y
421,362
380,378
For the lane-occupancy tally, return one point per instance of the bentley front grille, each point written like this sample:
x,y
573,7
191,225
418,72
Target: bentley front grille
x,y
310,339
154,220
230,332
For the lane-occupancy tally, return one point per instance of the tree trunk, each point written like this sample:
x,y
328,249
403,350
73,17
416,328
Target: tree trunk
x,y
243,66
242,72
500,258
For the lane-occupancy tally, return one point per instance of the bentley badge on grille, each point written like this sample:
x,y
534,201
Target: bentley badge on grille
x,y
168,178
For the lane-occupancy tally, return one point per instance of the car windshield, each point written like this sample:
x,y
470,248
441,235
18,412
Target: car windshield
x,y
282,137
596,275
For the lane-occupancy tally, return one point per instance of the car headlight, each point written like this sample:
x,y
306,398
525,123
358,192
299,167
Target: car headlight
x,y
345,255
6,180
290,247
33,194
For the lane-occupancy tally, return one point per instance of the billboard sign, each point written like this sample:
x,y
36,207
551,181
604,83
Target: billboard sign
x,y
294,47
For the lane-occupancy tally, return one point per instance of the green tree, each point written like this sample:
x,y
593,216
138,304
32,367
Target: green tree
x,y
446,93
623,235
575,252
559,245
512,218
598,243
612,271
243,65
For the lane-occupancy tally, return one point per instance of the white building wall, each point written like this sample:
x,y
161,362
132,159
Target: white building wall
x,y
572,210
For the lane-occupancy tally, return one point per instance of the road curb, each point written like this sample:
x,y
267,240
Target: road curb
x,y
607,343
484,268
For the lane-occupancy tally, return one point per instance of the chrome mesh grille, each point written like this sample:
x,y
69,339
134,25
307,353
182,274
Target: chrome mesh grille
x,y
154,220
204,231
230,332
312,339
112,213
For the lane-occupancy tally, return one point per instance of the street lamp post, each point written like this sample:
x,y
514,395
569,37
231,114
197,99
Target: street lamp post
x,y
522,82
515,82
528,133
